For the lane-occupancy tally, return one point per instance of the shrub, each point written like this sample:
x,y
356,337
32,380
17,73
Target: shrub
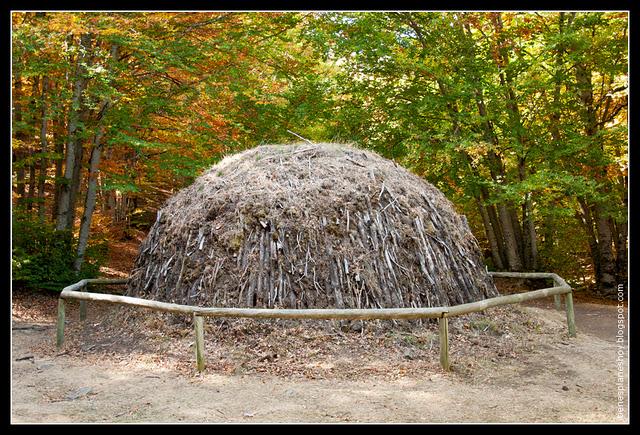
x,y
42,257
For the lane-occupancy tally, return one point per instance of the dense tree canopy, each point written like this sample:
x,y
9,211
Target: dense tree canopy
x,y
520,118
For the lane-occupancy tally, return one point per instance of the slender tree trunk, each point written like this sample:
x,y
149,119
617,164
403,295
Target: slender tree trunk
x,y
65,205
557,79
510,242
495,223
76,181
108,205
59,148
43,149
20,176
605,247
621,253
492,214
59,143
20,135
517,233
90,201
548,236
33,120
585,89
32,186
622,236
586,218
491,236
526,248
530,236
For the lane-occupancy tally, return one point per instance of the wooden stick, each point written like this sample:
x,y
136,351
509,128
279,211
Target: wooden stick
x,y
104,281
83,304
571,320
84,282
60,325
297,135
83,310
472,307
443,323
558,281
524,275
557,302
198,323
126,300
263,313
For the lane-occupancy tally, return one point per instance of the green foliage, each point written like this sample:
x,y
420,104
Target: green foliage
x,y
42,258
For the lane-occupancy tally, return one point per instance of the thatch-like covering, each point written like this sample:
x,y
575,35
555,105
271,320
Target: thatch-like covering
x,y
310,225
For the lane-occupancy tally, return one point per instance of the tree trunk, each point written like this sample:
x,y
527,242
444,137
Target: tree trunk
x,y
605,261
491,236
607,281
90,201
59,144
521,232
510,242
18,154
621,253
32,185
33,120
495,223
20,176
557,79
585,89
76,179
43,149
622,236
65,205
587,220
517,233
529,236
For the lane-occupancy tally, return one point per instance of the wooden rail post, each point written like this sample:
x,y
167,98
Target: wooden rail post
x,y
557,301
443,323
83,306
571,319
198,322
60,326
83,310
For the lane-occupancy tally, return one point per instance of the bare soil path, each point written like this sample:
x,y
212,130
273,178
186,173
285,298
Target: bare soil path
x,y
551,379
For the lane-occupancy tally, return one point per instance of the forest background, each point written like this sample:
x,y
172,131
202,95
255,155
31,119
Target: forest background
x,y
519,118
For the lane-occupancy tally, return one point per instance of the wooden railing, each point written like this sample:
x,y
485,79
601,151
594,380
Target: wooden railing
x,y
76,291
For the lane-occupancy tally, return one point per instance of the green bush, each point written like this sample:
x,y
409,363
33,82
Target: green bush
x,y
42,258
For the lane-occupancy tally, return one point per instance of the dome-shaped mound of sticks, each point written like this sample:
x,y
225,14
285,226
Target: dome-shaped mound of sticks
x,y
310,226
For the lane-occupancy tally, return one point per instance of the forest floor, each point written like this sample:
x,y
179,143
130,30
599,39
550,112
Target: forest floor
x,y
510,364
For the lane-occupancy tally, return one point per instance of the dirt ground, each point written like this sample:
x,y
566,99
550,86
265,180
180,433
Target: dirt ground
x,y
512,364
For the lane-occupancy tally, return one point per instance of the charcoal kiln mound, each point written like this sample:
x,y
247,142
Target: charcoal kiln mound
x,y
310,226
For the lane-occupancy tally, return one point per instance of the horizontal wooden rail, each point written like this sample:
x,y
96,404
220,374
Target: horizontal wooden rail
x,y
261,313
75,291
84,283
127,300
472,307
